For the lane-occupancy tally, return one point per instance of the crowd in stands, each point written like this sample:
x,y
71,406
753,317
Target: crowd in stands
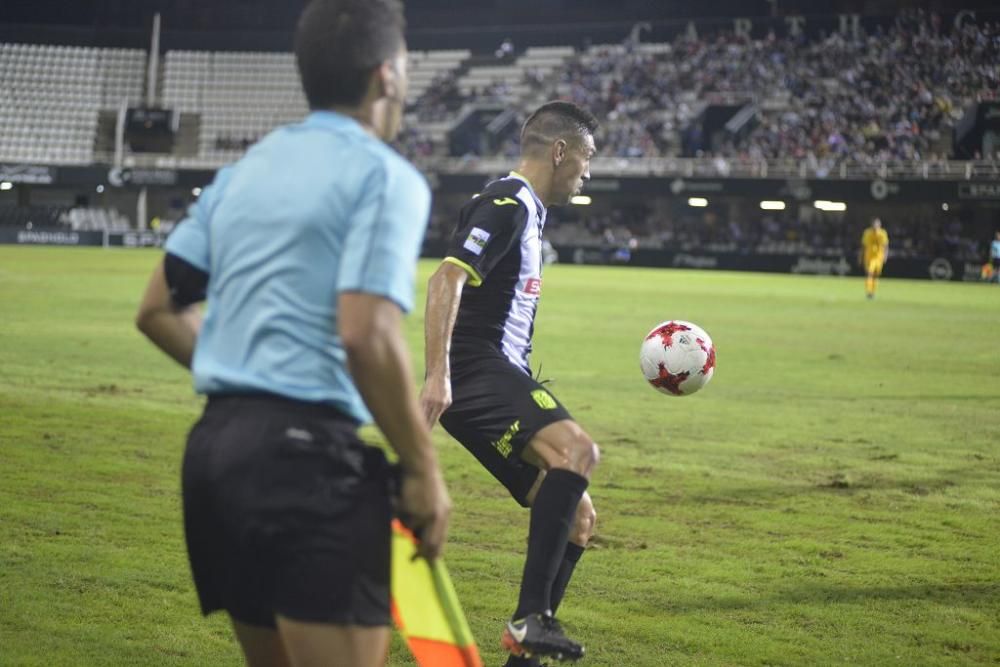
x,y
885,95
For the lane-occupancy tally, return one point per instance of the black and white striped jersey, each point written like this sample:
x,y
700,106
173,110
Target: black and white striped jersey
x,y
498,241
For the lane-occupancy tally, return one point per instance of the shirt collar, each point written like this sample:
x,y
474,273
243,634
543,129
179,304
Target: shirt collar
x,y
334,121
521,177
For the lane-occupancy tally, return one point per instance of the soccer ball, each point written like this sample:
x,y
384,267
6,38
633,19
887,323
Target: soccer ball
x,y
678,358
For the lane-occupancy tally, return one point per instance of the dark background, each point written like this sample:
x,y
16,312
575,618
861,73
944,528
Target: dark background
x,y
268,24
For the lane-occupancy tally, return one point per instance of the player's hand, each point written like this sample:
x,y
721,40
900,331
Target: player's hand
x,y
424,507
435,398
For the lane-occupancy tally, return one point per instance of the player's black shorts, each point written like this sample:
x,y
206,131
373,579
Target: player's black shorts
x,y
496,409
286,511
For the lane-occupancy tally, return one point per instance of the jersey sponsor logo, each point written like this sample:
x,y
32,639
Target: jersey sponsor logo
x,y
544,399
503,445
533,286
476,241
506,201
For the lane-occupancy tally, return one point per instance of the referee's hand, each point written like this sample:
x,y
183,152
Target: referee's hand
x,y
424,507
435,398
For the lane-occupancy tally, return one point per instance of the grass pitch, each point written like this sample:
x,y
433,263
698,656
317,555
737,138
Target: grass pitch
x,y
832,497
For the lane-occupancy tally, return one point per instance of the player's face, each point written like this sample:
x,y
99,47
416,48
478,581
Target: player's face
x,y
574,169
389,109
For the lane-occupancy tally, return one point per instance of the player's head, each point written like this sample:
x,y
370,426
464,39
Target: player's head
x,y
561,134
877,223
352,55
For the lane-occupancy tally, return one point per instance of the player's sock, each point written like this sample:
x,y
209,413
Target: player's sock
x,y
552,515
869,285
569,561
519,661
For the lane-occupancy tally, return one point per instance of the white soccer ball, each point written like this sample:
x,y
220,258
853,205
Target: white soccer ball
x,y
677,357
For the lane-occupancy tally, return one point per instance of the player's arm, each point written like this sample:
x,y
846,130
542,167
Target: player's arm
x,y
444,293
370,330
169,315
488,229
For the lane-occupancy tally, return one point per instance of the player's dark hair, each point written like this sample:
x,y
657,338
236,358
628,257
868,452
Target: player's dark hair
x,y
556,120
338,43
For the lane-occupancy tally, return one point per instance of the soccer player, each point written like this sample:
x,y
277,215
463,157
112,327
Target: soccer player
x,y
874,251
479,321
305,250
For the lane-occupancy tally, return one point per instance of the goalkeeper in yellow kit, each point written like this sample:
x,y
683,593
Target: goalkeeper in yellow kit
x,y
874,250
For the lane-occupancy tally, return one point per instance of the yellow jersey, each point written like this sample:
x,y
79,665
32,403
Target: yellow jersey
x,y
874,242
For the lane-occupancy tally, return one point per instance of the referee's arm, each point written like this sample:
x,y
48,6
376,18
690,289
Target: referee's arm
x,y
169,315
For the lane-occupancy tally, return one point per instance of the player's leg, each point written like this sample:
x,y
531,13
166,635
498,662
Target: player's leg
x,y
558,510
325,645
262,646
515,428
580,533
568,455
876,274
870,267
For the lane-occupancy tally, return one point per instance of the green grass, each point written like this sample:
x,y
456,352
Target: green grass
x,y
831,498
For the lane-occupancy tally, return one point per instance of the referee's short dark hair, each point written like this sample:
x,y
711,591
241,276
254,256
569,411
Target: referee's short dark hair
x,y
556,120
338,43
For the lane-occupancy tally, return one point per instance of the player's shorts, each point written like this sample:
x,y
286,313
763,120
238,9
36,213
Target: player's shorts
x,y
496,409
287,511
874,266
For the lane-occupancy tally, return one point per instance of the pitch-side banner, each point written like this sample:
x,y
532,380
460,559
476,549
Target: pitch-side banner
x,y
926,268
69,237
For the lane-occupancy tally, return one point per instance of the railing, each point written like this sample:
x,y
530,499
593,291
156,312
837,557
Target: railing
x,y
667,167
670,167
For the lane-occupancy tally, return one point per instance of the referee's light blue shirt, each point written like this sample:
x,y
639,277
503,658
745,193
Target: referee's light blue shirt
x,y
312,210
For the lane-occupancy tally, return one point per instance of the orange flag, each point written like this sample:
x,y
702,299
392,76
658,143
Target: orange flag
x,y
426,609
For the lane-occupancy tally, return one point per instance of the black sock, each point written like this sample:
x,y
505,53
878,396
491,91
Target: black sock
x,y
573,553
514,661
552,515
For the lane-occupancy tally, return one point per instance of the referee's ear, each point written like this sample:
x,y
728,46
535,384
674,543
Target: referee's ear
x,y
391,81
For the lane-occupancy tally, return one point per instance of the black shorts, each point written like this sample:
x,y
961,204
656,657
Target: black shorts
x,y
496,409
287,511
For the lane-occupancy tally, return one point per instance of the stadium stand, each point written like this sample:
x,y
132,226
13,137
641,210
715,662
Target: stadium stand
x,y
881,104
806,92
240,96
802,93
77,219
25,217
50,97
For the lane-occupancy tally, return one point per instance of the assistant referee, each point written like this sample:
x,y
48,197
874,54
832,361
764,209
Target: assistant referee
x,y
305,250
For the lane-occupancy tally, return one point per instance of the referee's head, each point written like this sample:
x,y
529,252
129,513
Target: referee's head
x,y
557,141
351,56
